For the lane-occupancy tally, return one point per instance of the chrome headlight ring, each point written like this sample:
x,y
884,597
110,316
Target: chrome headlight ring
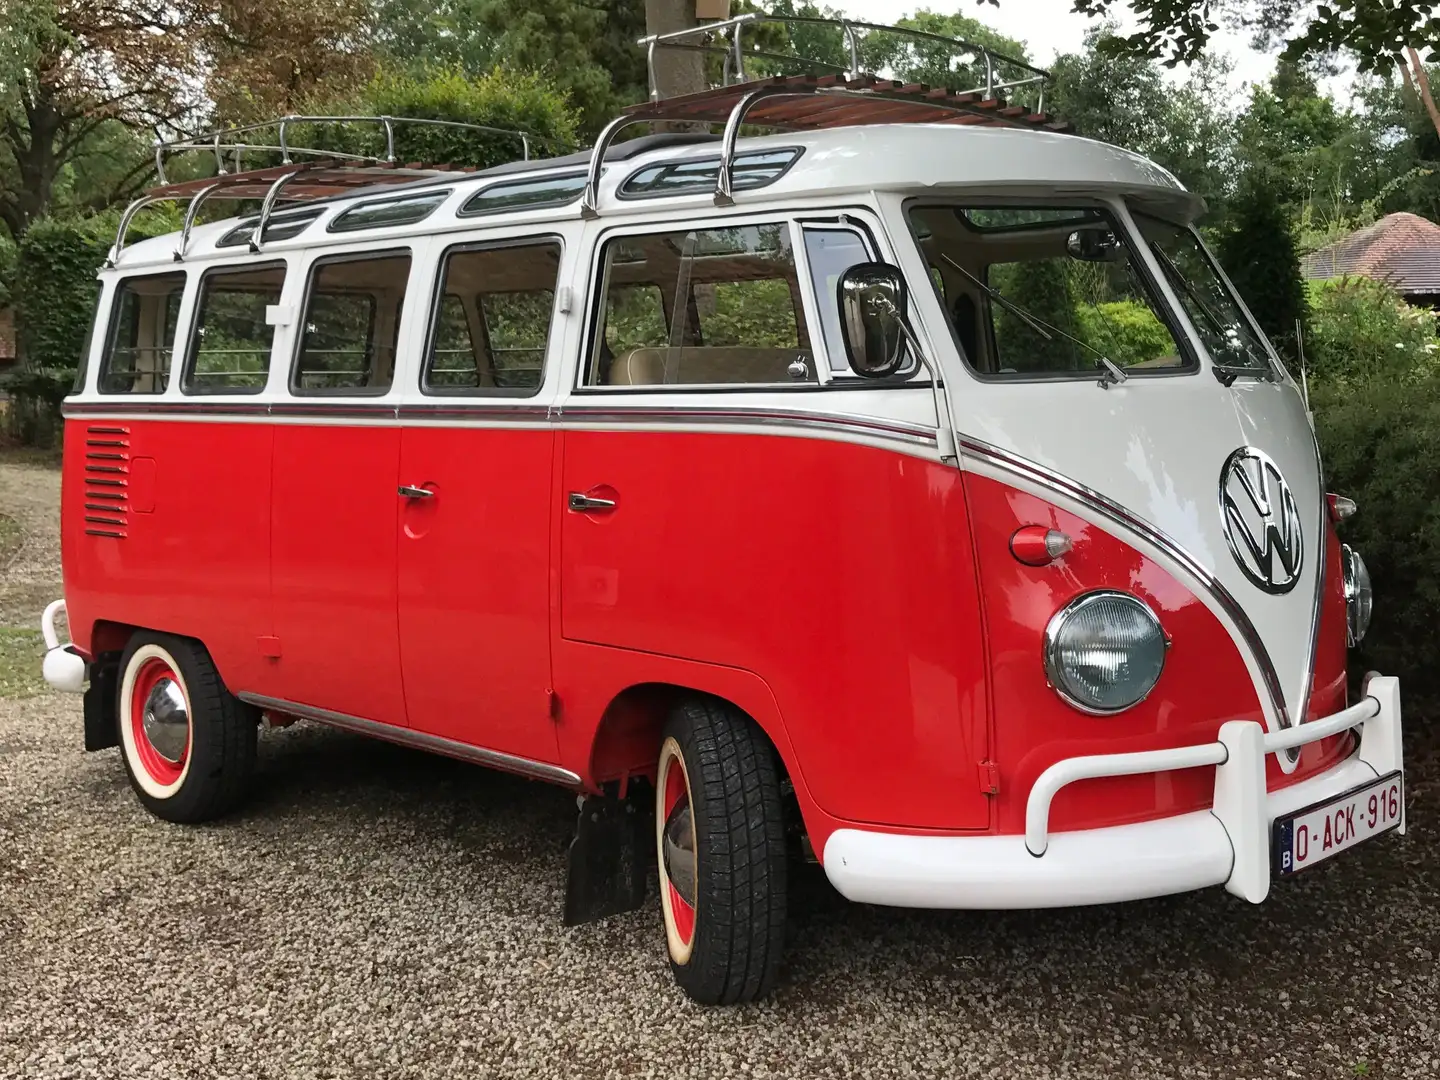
x,y
1359,595
1104,652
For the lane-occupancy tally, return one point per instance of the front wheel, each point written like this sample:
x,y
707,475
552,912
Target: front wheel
x,y
187,742
720,835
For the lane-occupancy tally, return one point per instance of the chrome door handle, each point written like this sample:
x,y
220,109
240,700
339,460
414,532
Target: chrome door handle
x,y
415,492
584,504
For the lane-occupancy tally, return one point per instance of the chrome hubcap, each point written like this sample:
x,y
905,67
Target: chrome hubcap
x,y
166,720
680,851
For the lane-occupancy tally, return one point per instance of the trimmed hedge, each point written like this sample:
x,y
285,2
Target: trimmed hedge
x,y
1381,447
53,291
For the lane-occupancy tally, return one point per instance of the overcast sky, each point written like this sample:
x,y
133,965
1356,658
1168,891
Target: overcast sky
x,y
1049,28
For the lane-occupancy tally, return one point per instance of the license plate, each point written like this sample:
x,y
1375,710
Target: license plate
x,y
1314,834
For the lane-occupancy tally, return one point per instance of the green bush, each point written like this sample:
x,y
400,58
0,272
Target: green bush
x,y
1381,444
506,100
1126,331
1361,331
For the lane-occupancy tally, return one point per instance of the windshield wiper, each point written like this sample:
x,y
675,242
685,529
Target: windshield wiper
x,y
1227,373
1111,373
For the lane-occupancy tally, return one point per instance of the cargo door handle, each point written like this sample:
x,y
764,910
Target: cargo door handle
x,y
415,492
587,504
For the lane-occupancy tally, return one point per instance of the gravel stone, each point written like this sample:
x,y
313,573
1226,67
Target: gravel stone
x,y
376,912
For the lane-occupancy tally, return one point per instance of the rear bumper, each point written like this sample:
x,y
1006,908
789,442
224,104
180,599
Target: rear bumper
x,y
1227,845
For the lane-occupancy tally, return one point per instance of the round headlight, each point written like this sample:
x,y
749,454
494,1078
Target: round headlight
x,y
1104,652
1359,596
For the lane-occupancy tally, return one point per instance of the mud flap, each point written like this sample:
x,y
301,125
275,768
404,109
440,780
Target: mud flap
x,y
610,856
102,729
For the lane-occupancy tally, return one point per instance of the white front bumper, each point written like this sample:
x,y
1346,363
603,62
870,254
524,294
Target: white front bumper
x,y
1228,844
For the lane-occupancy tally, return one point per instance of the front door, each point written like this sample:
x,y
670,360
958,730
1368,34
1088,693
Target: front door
x,y
476,460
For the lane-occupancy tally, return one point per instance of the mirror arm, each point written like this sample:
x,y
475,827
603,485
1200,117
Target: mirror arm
x,y
944,428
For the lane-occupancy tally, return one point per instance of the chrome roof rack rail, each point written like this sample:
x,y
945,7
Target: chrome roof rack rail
x,y
233,142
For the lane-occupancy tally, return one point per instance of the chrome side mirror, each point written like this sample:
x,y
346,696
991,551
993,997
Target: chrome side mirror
x,y
872,306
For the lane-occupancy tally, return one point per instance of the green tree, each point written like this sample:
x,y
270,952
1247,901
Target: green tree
x,y
1125,100
1259,253
586,48
1375,32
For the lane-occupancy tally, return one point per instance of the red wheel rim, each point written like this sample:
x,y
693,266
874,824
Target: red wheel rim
x,y
160,769
677,794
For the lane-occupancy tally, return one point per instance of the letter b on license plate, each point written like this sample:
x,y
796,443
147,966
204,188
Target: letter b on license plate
x,y
1314,834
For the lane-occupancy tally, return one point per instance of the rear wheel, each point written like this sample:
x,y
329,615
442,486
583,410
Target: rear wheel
x,y
187,742
720,835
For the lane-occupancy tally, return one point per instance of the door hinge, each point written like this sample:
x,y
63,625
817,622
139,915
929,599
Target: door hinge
x,y
554,701
989,778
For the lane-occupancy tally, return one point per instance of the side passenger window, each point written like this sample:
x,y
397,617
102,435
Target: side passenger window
x,y
230,346
352,325
702,307
493,326
144,314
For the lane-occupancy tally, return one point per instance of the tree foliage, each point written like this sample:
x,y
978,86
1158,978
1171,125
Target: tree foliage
x,y
1259,254
1375,32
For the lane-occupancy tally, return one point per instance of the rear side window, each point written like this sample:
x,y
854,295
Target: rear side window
x,y
493,325
729,310
351,325
230,345
141,341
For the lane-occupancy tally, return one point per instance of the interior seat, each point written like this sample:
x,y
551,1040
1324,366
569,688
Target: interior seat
x,y
699,364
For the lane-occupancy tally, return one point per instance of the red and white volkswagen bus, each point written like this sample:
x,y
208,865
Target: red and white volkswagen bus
x,y
903,488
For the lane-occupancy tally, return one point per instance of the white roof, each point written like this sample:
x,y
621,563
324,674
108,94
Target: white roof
x,y
907,158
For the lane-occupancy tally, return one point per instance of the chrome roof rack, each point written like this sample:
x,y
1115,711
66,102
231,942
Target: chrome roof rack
x,y
302,173
830,95
809,103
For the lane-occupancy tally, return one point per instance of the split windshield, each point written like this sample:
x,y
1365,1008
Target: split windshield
x,y
1232,341
1053,292
1045,292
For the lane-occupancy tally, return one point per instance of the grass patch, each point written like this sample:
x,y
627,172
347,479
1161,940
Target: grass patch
x,y
11,537
20,654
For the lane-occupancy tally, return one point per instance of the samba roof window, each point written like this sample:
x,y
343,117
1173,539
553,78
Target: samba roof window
x,y
390,212
752,170
1006,219
285,226
531,194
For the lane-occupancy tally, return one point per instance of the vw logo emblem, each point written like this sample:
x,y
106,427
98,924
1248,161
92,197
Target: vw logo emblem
x,y
1262,522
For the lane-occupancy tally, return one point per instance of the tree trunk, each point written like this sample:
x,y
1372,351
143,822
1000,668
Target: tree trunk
x,y
676,72
1422,82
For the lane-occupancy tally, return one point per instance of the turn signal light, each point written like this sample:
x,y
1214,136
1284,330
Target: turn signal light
x,y
1035,545
1341,508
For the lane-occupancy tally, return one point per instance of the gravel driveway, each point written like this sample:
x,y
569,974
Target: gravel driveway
x,y
376,912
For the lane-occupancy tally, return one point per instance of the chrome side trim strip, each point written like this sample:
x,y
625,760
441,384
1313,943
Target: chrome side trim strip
x,y
419,740
602,416
1133,522
567,416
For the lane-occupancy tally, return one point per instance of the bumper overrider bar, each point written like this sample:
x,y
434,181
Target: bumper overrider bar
x,y
1228,844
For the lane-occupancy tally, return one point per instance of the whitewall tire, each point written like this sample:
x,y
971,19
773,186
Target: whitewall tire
x,y
187,743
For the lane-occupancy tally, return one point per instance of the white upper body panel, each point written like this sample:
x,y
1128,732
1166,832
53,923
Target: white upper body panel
x,y
913,158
